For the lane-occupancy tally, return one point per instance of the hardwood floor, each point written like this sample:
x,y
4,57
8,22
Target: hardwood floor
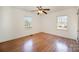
x,y
40,42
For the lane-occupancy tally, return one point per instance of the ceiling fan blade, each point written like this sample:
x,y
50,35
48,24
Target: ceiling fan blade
x,y
44,12
46,9
38,13
39,7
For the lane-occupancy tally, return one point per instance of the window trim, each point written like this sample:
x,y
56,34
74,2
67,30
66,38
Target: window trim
x,y
57,22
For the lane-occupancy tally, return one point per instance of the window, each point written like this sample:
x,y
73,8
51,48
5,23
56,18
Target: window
x,y
28,22
62,22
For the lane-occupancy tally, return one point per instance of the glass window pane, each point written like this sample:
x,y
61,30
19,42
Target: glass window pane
x,y
28,21
62,22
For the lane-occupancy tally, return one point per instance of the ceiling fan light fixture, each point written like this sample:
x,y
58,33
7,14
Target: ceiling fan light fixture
x,y
40,12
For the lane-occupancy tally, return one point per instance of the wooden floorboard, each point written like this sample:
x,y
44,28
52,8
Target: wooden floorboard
x,y
40,42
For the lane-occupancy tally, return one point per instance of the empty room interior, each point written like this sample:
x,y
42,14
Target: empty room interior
x,y
39,29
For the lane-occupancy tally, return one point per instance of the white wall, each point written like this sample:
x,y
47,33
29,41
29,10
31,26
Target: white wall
x,y
49,23
12,23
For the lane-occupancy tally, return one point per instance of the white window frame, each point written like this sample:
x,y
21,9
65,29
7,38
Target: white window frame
x,y
62,22
28,22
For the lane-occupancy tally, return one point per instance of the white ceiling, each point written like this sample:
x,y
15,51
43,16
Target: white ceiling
x,y
52,8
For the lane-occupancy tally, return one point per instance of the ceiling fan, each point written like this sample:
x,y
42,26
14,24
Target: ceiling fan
x,y
41,10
